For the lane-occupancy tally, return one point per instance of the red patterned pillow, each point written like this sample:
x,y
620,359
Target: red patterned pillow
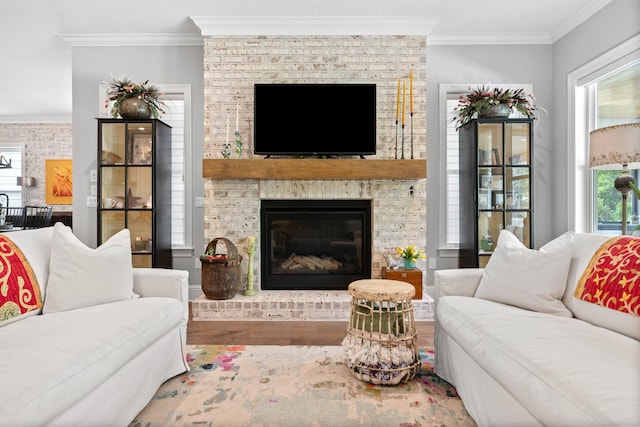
x,y
19,289
612,278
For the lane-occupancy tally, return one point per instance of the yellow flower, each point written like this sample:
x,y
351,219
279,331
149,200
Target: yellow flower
x,y
411,253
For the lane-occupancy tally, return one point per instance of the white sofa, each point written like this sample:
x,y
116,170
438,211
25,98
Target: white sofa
x,y
96,363
571,363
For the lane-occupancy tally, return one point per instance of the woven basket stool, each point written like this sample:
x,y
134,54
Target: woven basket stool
x,y
381,342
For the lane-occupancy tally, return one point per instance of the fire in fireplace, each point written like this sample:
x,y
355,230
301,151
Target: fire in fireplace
x,y
314,244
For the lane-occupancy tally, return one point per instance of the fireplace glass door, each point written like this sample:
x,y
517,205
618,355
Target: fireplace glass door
x,y
315,244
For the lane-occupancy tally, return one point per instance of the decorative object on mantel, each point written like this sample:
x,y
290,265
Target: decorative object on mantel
x,y
220,272
133,100
226,153
410,255
237,134
484,102
411,106
251,250
404,93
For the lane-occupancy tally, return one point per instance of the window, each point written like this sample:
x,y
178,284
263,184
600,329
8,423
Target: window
x,y
8,176
581,119
448,197
612,100
177,100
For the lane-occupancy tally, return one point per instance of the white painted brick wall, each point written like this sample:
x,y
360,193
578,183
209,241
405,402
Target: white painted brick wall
x,y
41,141
232,65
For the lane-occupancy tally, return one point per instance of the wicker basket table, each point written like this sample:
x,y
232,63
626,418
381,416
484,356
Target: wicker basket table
x,y
381,342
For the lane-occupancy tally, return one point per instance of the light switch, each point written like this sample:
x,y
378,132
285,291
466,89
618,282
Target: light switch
x,y
93,175
92,201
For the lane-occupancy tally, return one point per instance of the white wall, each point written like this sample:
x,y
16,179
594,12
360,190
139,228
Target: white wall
x,y
614,24
160,65
490,64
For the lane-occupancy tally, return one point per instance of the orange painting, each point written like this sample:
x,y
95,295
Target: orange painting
x,y
59,182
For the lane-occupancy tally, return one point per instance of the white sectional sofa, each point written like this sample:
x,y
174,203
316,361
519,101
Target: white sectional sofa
x,y
523,350
104,339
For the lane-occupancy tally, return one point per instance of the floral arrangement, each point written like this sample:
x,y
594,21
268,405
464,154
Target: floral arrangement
x,y
411,253
124,88
471,104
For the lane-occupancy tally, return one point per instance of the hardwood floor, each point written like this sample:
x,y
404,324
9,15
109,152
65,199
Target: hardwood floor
x,y
277,332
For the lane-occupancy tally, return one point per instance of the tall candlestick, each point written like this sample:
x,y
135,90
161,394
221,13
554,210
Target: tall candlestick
x,y
411,90
398,102
404,92
227,140
237,114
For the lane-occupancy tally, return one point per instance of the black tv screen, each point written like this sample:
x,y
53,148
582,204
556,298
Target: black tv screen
x,y
315,119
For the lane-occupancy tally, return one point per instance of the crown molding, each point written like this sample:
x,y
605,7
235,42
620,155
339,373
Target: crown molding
x,y
133,39
578,18
314,25
488,38
37,118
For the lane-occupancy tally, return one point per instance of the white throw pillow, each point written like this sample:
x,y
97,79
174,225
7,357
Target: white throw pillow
x,y
526,278
82,277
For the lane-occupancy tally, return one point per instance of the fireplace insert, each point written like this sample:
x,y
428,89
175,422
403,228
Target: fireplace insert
x,y
314,244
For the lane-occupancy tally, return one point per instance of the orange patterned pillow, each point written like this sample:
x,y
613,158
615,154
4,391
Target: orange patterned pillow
x,y
19,289
612,277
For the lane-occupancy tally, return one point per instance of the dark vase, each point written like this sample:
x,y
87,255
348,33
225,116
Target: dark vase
x,y
134,108
499,110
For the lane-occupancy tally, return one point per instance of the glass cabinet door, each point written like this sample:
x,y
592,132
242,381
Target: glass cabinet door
x,y
501,149
126,171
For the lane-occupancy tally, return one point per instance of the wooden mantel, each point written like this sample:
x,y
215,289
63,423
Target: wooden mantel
x,y
314,169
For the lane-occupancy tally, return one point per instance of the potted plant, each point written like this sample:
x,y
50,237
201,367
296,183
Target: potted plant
x,y
497,102
133,100
410,255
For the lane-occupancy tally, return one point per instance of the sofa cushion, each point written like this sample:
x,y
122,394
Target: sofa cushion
x,y
82,277
526,278
564,371
611,279
585,245
55,360
36,247
19,289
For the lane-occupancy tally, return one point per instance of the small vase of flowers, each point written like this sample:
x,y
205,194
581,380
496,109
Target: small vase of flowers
x,y
133,100
410,255
497,102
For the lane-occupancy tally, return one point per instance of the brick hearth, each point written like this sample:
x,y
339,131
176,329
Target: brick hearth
x,y
290,305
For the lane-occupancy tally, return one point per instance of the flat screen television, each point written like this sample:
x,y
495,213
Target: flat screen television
x,y
315,119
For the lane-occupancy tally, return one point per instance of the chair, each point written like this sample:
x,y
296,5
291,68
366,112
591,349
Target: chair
x,y
14,216
37,216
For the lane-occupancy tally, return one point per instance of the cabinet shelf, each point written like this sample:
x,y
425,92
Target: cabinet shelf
x,y
314,169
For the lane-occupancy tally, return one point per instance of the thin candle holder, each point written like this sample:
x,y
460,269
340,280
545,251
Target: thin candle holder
x,y
396,140
226,153
402,157
251,250
411,119
238,145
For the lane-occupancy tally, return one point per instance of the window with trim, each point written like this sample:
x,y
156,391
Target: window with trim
x,y
8,176
612,99
449,175
177,107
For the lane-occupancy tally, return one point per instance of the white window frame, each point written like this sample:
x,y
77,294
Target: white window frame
x,y
185,91
16,165
578,174
447,249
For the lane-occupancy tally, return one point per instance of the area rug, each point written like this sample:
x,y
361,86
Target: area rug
x,y
296,386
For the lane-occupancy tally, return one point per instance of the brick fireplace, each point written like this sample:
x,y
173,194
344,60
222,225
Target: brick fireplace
x,y
234,63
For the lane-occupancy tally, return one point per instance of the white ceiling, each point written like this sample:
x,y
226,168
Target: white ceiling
x,y
35,61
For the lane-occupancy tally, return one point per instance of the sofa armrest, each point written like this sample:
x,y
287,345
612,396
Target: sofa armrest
x,y
159,282
462,282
